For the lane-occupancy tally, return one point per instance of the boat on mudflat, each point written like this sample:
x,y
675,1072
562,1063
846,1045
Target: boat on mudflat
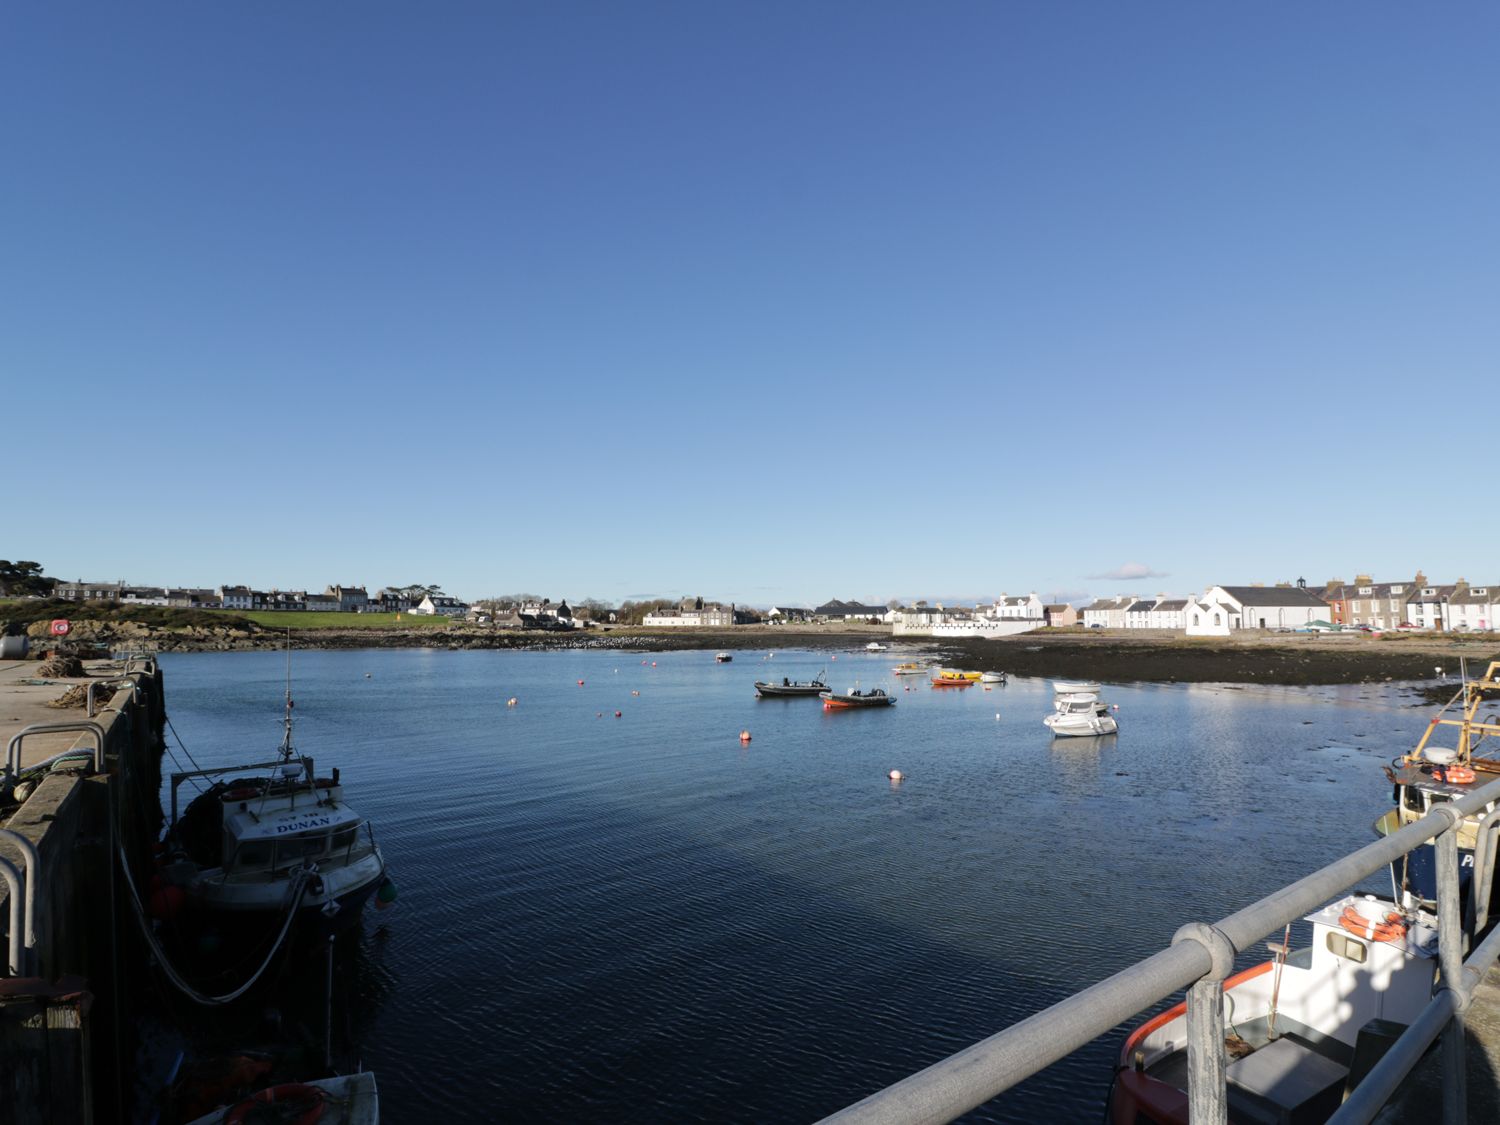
x,y
1297,1024
789,688
875,697
1432,775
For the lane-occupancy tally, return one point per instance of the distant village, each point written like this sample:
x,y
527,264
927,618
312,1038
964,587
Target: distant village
x,y
1361,605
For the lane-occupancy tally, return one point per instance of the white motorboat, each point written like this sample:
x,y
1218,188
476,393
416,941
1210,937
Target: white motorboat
x,y
875,646
1077,711
273,837
1297,1023
992,677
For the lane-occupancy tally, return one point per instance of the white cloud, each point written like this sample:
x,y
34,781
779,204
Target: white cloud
x,y
1130,572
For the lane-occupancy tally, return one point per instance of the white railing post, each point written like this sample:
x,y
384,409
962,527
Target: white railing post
x,y
1450,967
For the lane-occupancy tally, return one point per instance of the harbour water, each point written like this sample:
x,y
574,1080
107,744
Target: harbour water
x,y
641,918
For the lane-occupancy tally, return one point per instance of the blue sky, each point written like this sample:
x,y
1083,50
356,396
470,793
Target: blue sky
x,y
771,302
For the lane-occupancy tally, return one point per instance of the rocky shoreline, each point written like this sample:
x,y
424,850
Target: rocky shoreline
x,y
1108,656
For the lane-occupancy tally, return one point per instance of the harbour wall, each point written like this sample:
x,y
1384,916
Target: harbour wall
x,y
62,1018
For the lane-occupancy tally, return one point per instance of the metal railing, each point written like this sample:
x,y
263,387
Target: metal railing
x,y
1200,957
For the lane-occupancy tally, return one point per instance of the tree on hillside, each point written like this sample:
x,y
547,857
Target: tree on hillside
x,y
22,579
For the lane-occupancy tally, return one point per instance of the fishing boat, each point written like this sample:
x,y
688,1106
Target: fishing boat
x,y
265,839
722,658
1079,713
1432,774
790,688
1297,1023
992,677
875,697
910,668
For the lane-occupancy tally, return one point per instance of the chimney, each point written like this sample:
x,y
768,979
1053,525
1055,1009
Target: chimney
x,y
1420,579
1362,580
1333,584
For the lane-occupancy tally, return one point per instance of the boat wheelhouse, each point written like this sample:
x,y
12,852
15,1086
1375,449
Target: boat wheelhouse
x,y
1433,774
1297,1023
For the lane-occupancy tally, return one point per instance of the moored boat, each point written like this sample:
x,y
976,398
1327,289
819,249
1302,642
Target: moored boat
x,y
271,839
1078,712
875,646
875,697
1297,1023
910,668
992,677
722,658
789,688
955,674
945,681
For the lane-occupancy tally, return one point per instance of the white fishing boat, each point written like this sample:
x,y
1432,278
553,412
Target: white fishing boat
x,y
270,837
1297,1024
1077,711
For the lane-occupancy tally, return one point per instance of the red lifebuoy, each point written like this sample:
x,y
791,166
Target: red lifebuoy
x,y
1391,928
1458,775
292,1097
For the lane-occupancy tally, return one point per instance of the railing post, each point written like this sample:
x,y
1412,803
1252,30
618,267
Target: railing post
x,y
1450,965
1208,1099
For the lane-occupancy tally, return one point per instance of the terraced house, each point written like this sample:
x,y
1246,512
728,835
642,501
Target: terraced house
x,y
1380,605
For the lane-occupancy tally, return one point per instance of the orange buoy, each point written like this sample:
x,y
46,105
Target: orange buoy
x,y
617,714
580,683
744,736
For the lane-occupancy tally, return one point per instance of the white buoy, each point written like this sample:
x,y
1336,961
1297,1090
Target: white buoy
x,y
895,775
997,716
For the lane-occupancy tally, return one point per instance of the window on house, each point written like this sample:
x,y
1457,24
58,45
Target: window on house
x,y
1398,589
1364,589
1481,590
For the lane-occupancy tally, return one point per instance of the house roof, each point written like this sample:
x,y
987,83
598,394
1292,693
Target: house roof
x,y
1172,605
1061,608
1274,595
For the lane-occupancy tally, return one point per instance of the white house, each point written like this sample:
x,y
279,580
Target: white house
x,y
1030,608
1170,613
1107,613
691,613
1473,608
236,597
1428,607
432,605
1138,616
1223,608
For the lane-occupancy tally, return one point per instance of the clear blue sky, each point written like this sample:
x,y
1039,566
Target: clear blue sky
x,y
771,302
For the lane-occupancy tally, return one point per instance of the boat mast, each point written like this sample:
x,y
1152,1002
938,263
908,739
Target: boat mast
x,y
286,750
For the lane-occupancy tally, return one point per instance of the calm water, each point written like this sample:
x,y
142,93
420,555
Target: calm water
x,y
641,919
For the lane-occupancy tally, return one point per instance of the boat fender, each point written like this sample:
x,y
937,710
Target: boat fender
x,y
1391,928
292,1097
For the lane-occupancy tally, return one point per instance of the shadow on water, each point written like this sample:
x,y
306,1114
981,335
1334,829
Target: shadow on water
x,y
639,918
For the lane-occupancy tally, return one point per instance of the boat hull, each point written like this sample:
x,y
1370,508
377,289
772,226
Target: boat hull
x,y
1081,726
789,691
835,702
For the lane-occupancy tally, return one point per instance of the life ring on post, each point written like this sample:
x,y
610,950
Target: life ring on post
x,y
292,1097
1391,928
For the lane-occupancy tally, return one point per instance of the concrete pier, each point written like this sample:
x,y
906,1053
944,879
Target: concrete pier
x,y
62,1018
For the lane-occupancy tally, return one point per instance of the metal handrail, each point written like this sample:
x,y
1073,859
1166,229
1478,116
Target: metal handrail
x,y
13,750
33,876
1199,953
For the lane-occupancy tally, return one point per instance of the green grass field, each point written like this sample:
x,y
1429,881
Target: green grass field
x,y
299,620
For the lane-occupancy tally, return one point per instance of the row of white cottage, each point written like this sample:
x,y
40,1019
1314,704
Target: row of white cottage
x,y
1215,613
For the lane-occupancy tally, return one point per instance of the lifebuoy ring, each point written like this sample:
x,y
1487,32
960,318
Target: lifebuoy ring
x,y
1392,928
1458,775
292,1097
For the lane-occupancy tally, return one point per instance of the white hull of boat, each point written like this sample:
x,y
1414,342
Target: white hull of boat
x,y
1081,726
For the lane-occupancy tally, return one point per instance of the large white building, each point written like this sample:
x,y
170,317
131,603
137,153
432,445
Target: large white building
x,y
1225,608
1107,613
691,613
